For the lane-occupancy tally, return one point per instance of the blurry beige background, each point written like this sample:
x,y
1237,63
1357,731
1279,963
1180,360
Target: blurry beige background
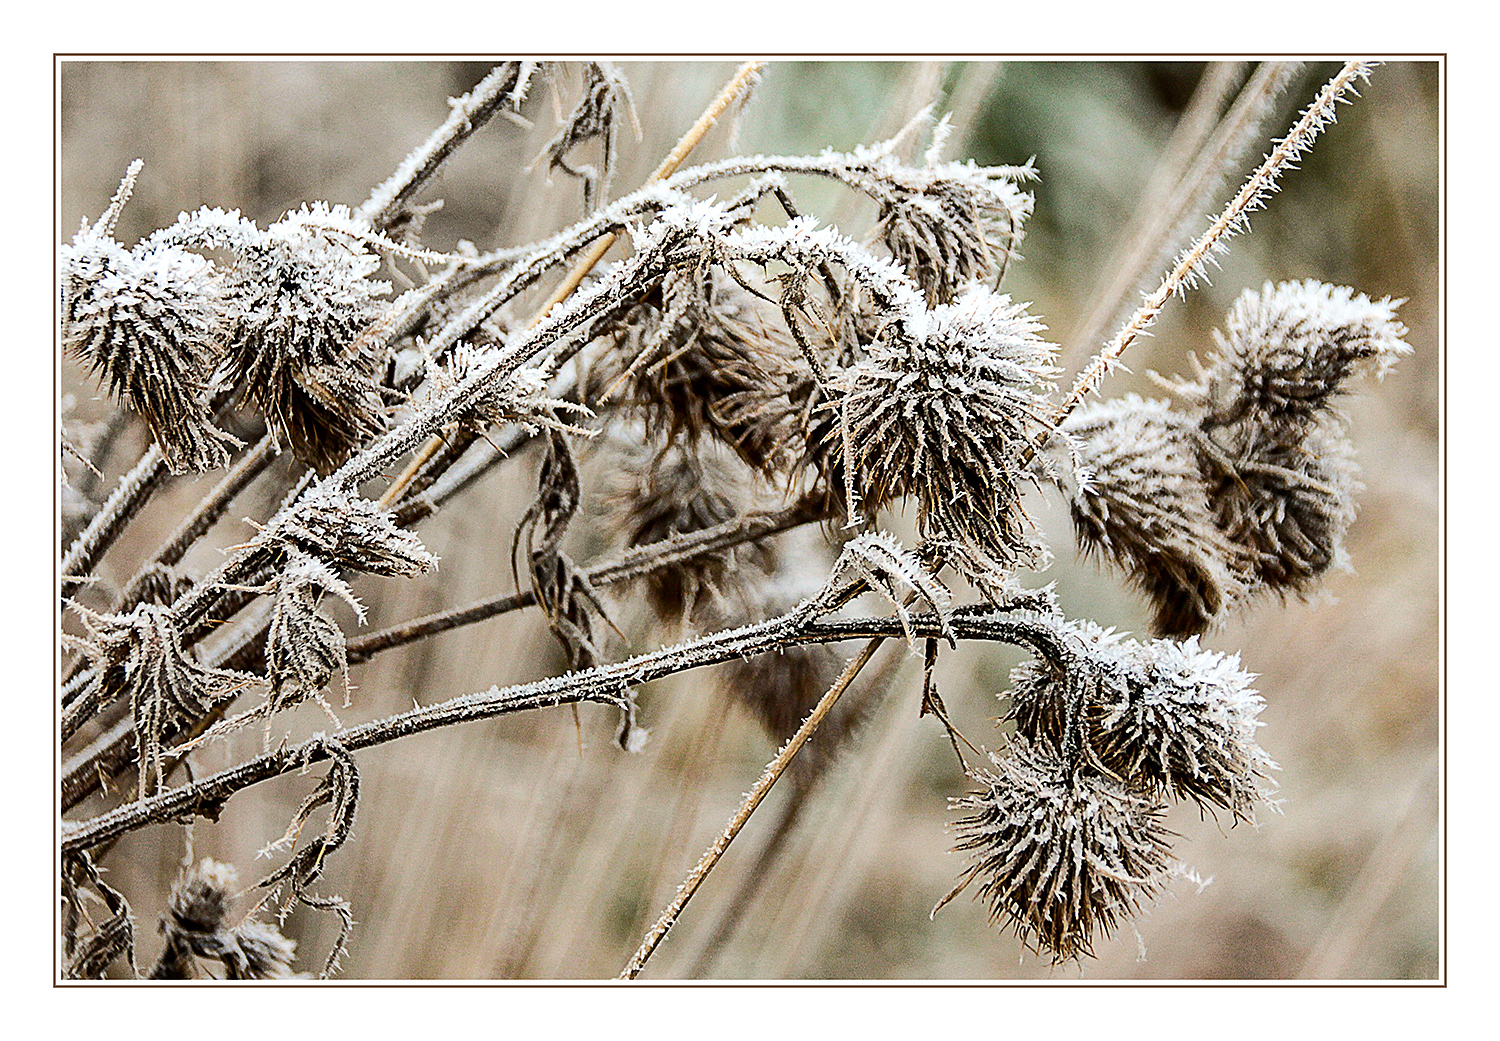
x,y
521,848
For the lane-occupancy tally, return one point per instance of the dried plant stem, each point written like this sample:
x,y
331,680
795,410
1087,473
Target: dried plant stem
x,y
737,85
774,769
1233,219
129,496
389,201
605,685
105,758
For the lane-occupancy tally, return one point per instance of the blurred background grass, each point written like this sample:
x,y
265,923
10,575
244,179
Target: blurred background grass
x,y
521,848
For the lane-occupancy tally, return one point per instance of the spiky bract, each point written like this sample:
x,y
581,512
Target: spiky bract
x,y
344,530
1144,506
947,407
1060,853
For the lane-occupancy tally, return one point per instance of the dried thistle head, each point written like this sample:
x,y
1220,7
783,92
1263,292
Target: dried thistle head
x,y
1186,723
659,492
1144,507
699,357
947,408
1161,717
149,323
952,223
1060,854
300,298
343,530
1287,350
196,925
1288,505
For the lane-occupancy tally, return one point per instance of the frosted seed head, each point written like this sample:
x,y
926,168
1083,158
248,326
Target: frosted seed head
x,y
1144,507
299,300
1186,724
1287,350
1061,855
148,323
951,224
950,418
1287,505
699,357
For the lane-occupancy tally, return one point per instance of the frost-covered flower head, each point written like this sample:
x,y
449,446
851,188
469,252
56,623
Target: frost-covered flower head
x,y
1143,505
1188,723
1059,853
946,406
1287,349
1163,716
147,322
298,299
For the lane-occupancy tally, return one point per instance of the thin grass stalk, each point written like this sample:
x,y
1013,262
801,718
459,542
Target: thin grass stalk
x,y
774,769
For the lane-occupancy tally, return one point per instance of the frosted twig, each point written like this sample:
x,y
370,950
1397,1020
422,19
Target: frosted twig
x,y
129,496
605,685
1234,219
505,83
